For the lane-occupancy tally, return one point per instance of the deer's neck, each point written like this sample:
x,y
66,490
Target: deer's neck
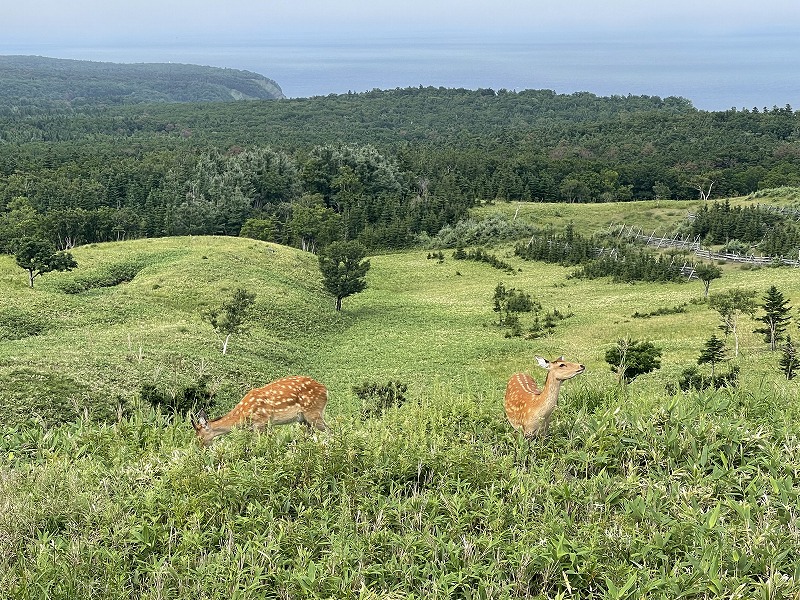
x,y
550,392
225,423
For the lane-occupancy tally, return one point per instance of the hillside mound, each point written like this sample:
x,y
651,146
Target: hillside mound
x,y
132,315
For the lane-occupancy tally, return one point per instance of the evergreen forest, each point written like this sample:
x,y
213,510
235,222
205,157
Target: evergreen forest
x,y
382,167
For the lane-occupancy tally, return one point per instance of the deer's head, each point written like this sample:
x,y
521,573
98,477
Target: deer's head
x,y
205,434
560,368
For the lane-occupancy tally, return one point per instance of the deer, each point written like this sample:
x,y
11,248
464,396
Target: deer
x,y
295,399
528,408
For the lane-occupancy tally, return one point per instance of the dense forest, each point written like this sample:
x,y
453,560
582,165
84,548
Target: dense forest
x,y
47,82
381,166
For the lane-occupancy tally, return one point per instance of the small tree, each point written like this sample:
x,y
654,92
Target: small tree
x,y
344,269
713,353
731,305
40,256
790,361
776,317
707,272
510,301
631,358
231,317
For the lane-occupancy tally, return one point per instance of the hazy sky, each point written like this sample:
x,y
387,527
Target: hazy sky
x,y
119,21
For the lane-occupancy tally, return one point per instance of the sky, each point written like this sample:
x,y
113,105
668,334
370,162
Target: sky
x,y
718,53
219,21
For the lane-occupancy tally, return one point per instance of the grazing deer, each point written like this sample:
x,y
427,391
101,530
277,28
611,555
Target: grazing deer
x,y
528,408
297,399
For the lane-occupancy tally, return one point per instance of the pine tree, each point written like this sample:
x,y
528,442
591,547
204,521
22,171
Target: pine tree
x,y
713,353
776,317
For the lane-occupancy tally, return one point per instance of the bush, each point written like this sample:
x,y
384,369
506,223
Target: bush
x,y
50,398
692,379
189,399
631,358
494,228
480,255
377,399
17,326
106,276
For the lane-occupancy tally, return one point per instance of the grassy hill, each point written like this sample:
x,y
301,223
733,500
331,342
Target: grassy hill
x,y
37,79
631,494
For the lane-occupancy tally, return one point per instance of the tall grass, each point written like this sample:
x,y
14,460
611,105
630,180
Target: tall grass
x,y
434,499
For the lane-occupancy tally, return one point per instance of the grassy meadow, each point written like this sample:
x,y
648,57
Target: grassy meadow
x,y
633,493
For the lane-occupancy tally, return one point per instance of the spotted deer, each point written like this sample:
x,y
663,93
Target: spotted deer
x,y
528,408
296,399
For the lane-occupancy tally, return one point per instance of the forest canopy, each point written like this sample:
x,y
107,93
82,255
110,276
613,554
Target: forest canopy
x,y
41,82
380,167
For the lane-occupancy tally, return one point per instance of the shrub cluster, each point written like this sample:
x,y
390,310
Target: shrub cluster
x,y
568,248
480,255
661,311
377,398
490,230
509,303
105,276
692,379
16,325
188,399
633,264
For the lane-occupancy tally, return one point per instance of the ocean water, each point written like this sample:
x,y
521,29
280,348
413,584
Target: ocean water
x,y
714,72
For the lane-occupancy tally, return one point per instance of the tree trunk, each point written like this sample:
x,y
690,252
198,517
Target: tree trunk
x,y
338,303
225,344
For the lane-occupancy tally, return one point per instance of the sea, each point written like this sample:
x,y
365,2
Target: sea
x,y
714,72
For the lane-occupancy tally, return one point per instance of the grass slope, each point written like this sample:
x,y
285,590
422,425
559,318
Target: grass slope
x,y
630,495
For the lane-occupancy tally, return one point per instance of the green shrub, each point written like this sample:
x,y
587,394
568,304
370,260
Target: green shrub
x,y
378,398
105,276
50,398
189,399
692,379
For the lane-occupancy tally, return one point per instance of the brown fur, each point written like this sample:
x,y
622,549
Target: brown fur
x,y
296,399
528,407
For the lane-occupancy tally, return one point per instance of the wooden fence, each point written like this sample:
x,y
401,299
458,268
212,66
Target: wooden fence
x,y
694,246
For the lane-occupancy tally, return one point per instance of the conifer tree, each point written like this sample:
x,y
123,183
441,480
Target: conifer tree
x,y
713,353
775,318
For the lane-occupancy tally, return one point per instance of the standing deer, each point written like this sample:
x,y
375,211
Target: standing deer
x,y
296,399
528,408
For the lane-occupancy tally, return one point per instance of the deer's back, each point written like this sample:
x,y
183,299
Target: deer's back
x,y
522,397
284,400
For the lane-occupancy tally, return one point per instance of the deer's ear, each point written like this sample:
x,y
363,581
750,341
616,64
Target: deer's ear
x,y
202,420
543,362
